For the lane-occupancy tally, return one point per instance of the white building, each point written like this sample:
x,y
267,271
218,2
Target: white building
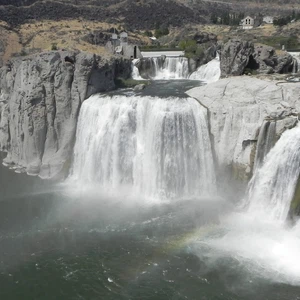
x,y
120,46
247,23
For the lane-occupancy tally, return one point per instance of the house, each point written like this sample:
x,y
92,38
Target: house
x,y
120,46
268,19
247,23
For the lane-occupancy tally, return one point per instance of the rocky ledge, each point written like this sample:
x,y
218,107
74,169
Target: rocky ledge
x,y
237,108
39,104
239,57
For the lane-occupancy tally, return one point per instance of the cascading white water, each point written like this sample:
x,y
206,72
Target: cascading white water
x,y
171,68
152,146
265,142
273,185
209,72
161,68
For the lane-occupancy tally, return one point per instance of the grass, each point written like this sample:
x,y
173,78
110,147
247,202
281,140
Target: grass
x,y
66,34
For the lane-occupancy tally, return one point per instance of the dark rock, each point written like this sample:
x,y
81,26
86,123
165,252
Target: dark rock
x,y
235,57
204,37
238,57
97,37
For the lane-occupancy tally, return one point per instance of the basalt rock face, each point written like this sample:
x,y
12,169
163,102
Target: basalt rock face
x,y
237,108
239,57
39,104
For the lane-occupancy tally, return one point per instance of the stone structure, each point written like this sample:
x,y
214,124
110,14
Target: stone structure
x,y
120,46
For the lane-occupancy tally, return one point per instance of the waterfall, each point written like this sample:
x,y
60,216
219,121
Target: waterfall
x,y
135,71
296,62
160,68
147,145
163,67
209,72
258,239
273,184
266,140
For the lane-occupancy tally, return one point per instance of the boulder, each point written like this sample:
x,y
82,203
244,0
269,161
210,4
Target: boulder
x,y
269,61
235,56
238,57
204,37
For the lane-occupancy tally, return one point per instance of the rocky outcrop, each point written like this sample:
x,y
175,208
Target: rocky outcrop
x,y
39,103
237,108
266,61
239,57
235,57
204,37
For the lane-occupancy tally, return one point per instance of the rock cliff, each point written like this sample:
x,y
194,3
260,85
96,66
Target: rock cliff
x,y
39,103
237,108
238,57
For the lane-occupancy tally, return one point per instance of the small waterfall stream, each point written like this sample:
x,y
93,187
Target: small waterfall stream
x,y
266,140
296,65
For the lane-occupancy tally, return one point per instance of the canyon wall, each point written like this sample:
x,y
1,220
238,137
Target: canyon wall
x,y
39,105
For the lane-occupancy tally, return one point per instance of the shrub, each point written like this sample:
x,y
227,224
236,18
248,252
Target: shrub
x,y
54,46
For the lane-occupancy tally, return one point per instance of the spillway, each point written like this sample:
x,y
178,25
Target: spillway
x,y
158,147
